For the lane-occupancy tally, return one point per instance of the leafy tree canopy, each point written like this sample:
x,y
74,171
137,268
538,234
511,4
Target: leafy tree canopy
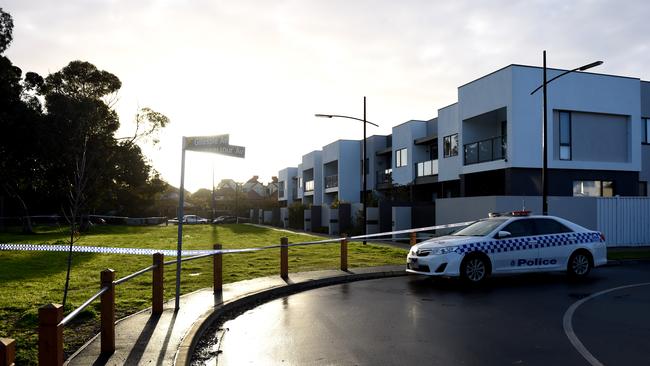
x,y
6,30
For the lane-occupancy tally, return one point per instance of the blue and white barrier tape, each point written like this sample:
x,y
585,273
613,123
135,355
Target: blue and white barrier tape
x,y
188,253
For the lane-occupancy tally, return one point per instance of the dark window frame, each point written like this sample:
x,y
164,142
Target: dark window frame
x,y
645,131
560,143
448,149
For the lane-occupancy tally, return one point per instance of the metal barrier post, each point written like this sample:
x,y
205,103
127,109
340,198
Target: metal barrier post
x,y
7,352
157,285
50,335
344,253
414,238
284,258
217,270
108,312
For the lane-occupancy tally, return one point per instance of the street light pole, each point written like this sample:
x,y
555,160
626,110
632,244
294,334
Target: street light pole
x,y
545,123
364,172
363,159
544,144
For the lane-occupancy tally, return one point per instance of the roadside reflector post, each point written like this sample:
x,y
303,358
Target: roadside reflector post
x,y
107,306
414,238
217,270
7,352
157,285
50,335
344,253
284,258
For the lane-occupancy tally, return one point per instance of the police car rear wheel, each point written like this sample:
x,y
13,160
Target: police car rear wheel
x,y
474,270
579,264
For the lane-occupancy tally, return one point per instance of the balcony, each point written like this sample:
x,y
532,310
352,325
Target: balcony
x,y
485,150
332,181
384,179
426,168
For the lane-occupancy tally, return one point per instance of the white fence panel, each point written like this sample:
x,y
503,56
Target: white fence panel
x,y
625,221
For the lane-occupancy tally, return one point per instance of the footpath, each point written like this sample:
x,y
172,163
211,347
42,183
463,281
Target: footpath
x,y
166,339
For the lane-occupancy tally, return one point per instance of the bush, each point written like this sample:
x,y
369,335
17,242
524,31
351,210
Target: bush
x,y
297,215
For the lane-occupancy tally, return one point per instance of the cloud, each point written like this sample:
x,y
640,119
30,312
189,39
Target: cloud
x,y
259,70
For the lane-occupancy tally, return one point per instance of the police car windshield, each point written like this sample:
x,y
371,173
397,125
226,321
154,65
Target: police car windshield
x,y
480,228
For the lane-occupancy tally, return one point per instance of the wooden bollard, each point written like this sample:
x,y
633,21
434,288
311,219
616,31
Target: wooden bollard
x,y
217,270
7,352
50,335
284,258
414,238
344,253
158,284
108,312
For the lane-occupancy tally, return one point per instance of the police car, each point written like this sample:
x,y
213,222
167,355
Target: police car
x,y
510,243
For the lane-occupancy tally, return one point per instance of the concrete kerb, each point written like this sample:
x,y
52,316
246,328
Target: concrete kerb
x,y
244,302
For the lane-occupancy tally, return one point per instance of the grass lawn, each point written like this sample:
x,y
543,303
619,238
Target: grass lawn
x,y
628,253
31,279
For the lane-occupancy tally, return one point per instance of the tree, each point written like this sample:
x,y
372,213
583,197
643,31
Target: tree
x,y
20,122
6,30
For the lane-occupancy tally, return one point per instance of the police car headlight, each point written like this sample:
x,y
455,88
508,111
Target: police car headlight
x,y
443,250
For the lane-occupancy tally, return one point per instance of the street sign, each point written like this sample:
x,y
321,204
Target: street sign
x,y
228,150
217,144
201,143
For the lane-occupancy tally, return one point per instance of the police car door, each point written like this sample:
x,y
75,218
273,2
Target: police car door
x,y
556,243
520,250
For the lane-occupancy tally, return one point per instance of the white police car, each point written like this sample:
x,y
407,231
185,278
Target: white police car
x,y
513,243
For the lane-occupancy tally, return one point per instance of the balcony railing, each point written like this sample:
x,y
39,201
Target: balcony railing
x,y
309,186
385,177
331,181
426,168
485,150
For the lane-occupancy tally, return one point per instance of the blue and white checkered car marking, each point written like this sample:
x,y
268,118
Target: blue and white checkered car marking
x,y
516,244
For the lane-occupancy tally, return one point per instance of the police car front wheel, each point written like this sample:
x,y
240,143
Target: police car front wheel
x,y
579,264
475,269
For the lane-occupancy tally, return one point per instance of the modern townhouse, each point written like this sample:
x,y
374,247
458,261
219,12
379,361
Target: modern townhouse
x,y
310,176
488,143
341,172
287,186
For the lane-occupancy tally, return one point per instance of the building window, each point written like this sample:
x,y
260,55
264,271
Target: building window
x,y
450,145
593,188
281,189
433,150
565,136
643,189
401,158
645,129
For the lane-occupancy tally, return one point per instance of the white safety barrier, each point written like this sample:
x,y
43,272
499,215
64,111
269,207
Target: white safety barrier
x,y
185,253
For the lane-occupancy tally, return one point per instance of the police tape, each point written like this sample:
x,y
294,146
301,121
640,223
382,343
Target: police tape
x,y
195,252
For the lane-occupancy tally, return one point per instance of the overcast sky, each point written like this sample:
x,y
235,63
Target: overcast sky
x,y
259,70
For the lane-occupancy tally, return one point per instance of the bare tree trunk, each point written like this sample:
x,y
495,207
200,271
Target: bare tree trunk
x,y
76,198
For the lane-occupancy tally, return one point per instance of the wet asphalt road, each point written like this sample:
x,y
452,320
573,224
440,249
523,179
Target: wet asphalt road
x,y
416,320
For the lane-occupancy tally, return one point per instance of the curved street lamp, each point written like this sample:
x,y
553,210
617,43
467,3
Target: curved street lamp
x,y
544,122
363,158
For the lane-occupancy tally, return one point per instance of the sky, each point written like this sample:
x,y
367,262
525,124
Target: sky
x,y
260,70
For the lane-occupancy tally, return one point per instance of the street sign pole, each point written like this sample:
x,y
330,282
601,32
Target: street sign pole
x,y
180,216
207,144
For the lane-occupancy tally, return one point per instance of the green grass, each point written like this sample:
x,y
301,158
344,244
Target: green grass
x,y
31,279
625,254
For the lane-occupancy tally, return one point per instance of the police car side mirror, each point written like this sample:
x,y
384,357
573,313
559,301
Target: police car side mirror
x,y
503,234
